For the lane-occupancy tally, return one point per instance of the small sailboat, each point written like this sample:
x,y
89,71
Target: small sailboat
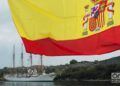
x,y
31,75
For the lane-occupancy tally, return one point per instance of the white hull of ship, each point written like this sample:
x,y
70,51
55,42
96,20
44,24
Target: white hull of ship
x,y
40,78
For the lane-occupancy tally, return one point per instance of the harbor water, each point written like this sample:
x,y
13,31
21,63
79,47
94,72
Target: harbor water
x,y
57,84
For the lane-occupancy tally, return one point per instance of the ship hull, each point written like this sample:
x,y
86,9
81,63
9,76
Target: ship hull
x,y
40,78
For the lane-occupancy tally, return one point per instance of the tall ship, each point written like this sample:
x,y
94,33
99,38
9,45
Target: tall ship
x,y
29,74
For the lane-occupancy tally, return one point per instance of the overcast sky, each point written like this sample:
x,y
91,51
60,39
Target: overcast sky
x,y
9,37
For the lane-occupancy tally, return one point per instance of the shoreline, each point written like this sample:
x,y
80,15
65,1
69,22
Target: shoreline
x,y
1,80
97,80
83,80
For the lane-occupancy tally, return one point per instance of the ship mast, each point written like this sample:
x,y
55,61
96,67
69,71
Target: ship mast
x,y
22,56
31,63
14,56
41,59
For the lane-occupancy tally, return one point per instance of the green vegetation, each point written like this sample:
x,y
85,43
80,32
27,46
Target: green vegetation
x,y
97,70
73,62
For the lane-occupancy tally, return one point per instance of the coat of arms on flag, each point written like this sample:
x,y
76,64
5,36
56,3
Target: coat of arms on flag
x,y
95,20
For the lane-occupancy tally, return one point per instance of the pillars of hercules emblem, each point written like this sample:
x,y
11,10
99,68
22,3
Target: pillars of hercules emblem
x,y
85,19
110,12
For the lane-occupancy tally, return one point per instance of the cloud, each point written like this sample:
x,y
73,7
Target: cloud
x,y
8,35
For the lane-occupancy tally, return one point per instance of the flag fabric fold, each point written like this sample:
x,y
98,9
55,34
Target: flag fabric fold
x,y
67,27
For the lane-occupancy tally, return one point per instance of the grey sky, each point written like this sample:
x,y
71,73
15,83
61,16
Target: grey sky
x,y
9,37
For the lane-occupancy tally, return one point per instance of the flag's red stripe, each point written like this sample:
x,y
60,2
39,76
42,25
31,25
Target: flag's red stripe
x,y
103,18
100,43
99,21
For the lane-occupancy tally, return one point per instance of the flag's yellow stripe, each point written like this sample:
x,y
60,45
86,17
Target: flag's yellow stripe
x,y
56,19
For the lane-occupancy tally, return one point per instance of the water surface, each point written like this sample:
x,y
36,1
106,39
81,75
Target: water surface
x,y
57,84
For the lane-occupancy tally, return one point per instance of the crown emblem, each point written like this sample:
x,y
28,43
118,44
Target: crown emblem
x,y
95,1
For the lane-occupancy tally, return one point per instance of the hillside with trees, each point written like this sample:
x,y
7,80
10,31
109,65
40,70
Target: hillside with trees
x,y
97,70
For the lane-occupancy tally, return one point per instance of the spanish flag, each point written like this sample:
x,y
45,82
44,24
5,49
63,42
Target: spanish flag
x,y
67,27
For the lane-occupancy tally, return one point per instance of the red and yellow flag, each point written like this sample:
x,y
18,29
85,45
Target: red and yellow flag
x,y
67,27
